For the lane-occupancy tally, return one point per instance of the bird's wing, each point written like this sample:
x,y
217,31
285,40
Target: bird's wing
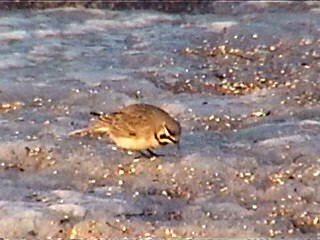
x,y
128,124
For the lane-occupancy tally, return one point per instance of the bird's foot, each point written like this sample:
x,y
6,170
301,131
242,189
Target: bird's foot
x,y
150,154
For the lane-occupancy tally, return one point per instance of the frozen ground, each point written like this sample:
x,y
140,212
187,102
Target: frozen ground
x,y
245,87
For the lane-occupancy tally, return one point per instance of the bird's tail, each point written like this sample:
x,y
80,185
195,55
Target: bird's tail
x,y
89,131
97,114
81,132
98,127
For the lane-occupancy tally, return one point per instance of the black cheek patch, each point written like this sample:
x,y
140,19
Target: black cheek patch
x,y
158,140
162,136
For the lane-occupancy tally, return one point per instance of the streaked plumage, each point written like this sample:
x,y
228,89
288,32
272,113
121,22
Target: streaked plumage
x,y
136,127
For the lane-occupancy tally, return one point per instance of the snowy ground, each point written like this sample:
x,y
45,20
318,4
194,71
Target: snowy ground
x,y
245,87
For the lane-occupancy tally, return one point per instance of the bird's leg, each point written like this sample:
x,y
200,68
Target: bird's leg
x,y
153,154
150,155
142,155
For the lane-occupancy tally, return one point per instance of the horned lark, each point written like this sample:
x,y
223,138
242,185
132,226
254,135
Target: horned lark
x,y
136,127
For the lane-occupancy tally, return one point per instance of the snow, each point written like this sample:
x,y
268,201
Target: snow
x,y
248,164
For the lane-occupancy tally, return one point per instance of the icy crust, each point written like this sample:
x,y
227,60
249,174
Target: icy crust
x,y
245,87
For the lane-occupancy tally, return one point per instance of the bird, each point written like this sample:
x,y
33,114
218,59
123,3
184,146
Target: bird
x,y
135,127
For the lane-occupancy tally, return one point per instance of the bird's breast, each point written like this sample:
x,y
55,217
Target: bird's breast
x,y
134,143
